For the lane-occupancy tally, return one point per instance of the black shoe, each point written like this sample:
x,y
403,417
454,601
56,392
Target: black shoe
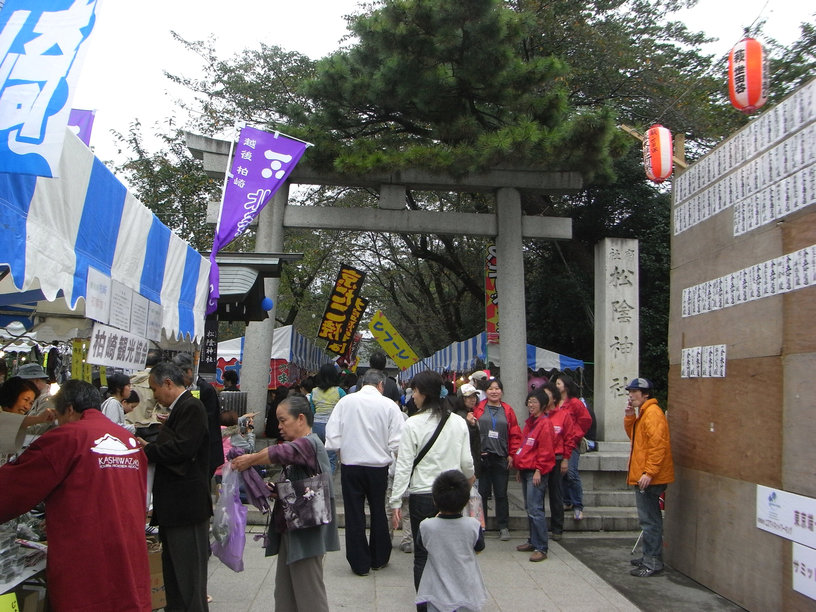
x,y
637,562
645,572
379,567
361,573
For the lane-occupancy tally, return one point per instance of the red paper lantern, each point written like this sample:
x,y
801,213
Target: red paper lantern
x,y
748,75
657,153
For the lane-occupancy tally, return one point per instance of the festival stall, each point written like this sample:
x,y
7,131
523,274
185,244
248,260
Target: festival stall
x,y
292,356
81,248
462,357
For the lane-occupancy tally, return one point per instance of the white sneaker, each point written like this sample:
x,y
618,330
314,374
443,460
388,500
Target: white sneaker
x,y
504,535
578,514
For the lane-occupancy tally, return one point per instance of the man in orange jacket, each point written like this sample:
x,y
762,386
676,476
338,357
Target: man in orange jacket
x,y
650,470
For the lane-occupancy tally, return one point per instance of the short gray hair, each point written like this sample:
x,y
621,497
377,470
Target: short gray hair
x,y
373,377
184,361
167,370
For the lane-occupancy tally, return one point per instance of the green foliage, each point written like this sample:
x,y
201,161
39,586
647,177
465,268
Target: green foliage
x,y
793,67
441,85
459,87
172,184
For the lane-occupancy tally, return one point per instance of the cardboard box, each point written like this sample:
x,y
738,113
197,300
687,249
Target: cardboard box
x,y
28,600
157,595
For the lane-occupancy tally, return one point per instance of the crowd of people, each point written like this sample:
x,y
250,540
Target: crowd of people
x,y
417,458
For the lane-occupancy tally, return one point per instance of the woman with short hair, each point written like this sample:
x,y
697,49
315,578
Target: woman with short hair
x,y
113,407
17,395
534,461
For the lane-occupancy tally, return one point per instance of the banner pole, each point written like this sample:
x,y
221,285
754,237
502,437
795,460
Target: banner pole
x,y
227,174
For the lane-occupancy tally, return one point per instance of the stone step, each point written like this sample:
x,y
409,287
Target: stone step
x,y
604,461
621,447
618,499
602,518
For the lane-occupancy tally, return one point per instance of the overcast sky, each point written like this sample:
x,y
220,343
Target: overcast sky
x,y
131,47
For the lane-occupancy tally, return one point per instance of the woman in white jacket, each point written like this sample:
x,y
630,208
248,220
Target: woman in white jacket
x,y
449,451
113,408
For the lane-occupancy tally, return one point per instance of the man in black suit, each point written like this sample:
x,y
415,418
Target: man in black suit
x,y
182,506
209,397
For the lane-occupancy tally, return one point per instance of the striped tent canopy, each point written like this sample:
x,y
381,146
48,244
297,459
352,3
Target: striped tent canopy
x,y
53,229
287,344
462,357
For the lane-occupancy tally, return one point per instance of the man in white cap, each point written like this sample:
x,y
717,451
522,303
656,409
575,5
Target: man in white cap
x,y
479,380
650,470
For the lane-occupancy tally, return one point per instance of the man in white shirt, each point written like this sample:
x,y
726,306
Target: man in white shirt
x,y
364,428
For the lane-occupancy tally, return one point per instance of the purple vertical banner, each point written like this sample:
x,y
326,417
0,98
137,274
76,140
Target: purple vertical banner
x,y
261,164
81,123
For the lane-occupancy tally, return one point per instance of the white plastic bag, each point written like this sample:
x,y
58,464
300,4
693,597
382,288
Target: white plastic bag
x,y
229,522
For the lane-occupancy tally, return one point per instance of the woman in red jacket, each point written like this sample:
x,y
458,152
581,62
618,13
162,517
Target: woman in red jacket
x,y
563,427
501,438
534,460
571,485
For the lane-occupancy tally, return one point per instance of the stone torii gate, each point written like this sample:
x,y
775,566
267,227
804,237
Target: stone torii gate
x,y
508,225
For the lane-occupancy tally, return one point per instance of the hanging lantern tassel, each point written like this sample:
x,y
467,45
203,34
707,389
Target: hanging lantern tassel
x,y
657,153
748,75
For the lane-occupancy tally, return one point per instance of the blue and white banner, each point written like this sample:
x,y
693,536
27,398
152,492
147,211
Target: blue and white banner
x,y
42,44
54,233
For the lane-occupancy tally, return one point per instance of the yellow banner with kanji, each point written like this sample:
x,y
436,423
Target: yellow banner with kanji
x,y
344,310
392,343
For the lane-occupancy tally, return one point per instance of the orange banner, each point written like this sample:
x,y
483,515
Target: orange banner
x,y
491,297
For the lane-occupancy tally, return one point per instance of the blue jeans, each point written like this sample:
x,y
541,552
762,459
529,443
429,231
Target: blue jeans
x,y
573,491
493,478
651,522
534,503
320,430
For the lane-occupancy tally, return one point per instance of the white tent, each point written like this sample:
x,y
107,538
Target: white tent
x,y
287,344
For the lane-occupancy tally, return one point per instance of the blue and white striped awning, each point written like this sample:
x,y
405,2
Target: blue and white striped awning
x,y
462,357
287,344
53,229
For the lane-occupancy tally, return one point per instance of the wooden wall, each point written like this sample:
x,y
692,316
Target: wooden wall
x,y
756,425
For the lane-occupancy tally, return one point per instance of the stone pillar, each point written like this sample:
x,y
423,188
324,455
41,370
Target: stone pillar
x,y
258,342
617,332
512,311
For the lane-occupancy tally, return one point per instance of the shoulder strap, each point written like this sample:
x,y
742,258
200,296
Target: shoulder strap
x,y
316,458
421,455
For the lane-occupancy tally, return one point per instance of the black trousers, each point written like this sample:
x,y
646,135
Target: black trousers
x,y
185,551
494,478
420,507
363,484
556,498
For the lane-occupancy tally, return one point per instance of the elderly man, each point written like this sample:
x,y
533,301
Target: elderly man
x,y
650,470
209,397
365,429
182,506
91,474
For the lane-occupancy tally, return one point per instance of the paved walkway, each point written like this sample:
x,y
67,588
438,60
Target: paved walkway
x,y
513,583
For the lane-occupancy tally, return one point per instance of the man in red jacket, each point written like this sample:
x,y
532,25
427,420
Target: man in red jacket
x,y
91,473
